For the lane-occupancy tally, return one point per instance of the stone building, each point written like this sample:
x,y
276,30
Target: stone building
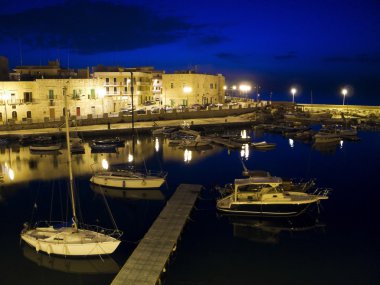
x,y
187,88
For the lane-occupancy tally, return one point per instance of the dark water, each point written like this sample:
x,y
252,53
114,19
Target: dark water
x,y
341,248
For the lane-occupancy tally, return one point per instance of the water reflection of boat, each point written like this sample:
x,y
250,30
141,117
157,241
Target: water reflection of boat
x,y
138,194
271,231
95,265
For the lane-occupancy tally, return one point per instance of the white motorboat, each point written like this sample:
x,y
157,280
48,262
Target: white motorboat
x,y
70,238
129,179
263,145
263,197
45,147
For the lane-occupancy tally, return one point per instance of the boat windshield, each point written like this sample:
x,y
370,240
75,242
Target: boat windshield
x,y
252,187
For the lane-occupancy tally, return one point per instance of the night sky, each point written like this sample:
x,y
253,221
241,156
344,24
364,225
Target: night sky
x,y
320,46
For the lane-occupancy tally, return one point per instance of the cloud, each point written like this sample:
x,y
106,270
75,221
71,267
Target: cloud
x,y
288,56
361,58
229,56
89,27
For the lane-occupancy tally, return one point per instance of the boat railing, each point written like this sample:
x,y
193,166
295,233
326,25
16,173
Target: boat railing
x,y
322,191
116,233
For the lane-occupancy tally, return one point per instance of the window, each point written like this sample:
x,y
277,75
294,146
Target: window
x,y
115,90
172,85
114,81
1,116
27,96
14,115
107,90
29,114
51,94
125,89
107,81
211,85
92,96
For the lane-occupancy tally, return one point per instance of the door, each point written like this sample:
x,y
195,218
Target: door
x,y
52,113
78,111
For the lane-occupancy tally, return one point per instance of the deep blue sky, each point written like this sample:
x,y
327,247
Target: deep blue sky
x,y
320,45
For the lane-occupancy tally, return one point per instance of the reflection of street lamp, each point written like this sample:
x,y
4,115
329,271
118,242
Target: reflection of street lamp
x,y
293,91
102,93
187,90
105,164
344,93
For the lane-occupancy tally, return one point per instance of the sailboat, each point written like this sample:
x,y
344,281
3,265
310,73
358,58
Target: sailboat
x,y
70,239
130,178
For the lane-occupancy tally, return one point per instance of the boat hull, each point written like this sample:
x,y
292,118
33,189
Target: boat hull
x,y
148,182
265,209
45,147
64,241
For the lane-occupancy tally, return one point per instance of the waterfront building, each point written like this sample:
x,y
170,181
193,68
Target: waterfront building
x,y
187,88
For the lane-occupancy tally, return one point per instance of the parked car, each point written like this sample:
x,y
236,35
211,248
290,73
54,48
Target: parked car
x,y
149,103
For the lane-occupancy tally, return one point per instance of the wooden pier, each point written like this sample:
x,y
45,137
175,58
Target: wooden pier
x,y
148,261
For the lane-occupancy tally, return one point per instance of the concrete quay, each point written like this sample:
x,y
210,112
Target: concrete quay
x,y
126,128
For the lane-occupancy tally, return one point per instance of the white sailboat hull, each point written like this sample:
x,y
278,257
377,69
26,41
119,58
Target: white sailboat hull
x,y
120,181
65,241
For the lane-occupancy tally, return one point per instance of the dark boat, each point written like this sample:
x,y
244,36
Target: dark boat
x,y
111,141
263,197
103,147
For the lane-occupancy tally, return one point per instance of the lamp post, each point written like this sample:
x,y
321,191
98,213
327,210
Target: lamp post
x,y
344,93
133,110
293,91
187,90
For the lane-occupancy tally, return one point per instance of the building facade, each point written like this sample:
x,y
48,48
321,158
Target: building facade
x,y
188,88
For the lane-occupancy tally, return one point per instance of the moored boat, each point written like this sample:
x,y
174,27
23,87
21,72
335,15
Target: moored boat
x,y
262,197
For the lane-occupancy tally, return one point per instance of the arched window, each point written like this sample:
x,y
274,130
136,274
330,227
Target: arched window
x,y
14,115
29,114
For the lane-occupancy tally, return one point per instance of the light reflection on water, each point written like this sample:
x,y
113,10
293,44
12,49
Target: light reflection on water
x,y
212,250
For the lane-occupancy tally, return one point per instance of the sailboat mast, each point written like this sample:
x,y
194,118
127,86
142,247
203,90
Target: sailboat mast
x,y
75,226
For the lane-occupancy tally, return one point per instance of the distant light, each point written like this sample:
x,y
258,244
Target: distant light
x,y
243,134
157,145
341,144
130,157
187,89
187,155
234,87
245,88
224,87
344,91
105,164
244,153
291,143
293,91
11,174
101,92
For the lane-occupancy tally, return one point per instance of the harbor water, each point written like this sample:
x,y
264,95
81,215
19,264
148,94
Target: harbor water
x,y
340,247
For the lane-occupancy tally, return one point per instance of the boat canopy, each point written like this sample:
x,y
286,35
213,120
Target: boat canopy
x,y
272,180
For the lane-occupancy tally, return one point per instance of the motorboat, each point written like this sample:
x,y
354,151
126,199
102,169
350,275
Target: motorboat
x,y
263,145
164,131
134,179
76,146
103,147
264,197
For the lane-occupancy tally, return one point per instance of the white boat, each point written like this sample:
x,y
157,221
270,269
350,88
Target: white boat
x,y
45,147
263,145
129,179
74,238
263,197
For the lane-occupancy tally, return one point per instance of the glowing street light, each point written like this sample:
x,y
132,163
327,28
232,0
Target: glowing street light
x,y
293,91
344,93
102,93
187,90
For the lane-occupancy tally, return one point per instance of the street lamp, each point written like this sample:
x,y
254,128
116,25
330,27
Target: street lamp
x,y
244,88
293,91
187,90
344,93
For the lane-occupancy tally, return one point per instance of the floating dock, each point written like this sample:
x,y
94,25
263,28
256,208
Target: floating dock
x,y
150,257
